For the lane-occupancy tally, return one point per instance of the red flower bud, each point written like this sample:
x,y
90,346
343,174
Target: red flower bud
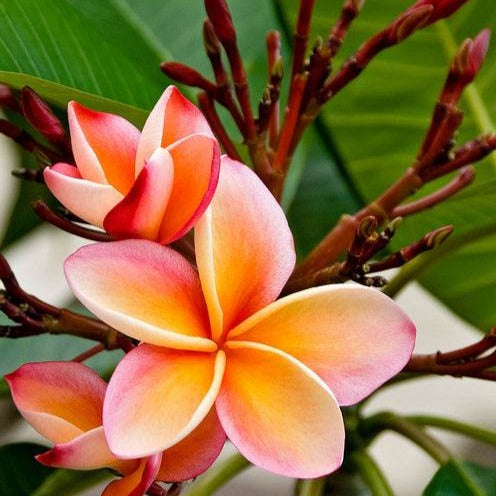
x,y
39,114
442,8
408,22
187,75
218,12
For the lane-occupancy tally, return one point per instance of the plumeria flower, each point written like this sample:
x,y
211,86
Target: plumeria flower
x,y
275,371
151,185
63,401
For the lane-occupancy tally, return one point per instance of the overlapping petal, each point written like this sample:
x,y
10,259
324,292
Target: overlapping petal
x,y
104,146
157,396
354,337
174,117
278,413
61,400
85,452
91,201
244,248
195,453
137,482
196,172
143,289
140,213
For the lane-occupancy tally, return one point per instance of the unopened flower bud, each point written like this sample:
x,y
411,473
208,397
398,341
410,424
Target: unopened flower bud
x,y
441,8
218,12
210,39
187,75
409,22
39,114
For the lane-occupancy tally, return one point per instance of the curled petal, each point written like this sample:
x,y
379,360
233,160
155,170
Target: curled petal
x,y
157,397
144,290
195,453
85,452
137,482
278,413
173,117
354,337
196,172
140,213
88,200
244,248
60,400
104,146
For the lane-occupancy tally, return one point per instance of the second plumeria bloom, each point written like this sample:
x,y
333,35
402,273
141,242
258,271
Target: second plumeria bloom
x,y
151,185
274,371
63,401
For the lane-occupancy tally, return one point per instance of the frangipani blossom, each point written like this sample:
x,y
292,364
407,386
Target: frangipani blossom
x,y
63,401
275,371
151,185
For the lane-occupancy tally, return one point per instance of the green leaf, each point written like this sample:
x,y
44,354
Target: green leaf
x,y
459,478
378,123
60,42
69,482
20,473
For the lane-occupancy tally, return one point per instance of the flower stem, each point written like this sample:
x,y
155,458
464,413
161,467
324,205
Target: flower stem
x,y
311,487
218,476
472,431
371,474
418,265
381,421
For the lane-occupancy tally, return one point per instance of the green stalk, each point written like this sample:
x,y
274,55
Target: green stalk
x,y
311,487
484,435
371,474
382,421
217,476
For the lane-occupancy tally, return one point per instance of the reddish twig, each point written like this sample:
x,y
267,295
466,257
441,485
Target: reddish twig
x,y
36,317
464,178
86,355
475,360
207,106
58,220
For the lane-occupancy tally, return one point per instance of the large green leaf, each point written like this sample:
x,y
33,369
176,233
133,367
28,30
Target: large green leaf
x,y
458,478
78,46
22,475
378,122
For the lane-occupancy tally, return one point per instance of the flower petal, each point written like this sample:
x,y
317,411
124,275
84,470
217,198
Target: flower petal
x,y
85,452
144,290
104,146
244,248
354,337
140,213
278,413
196,172
173,117
136,483
195,453
88,200
59,399
157,396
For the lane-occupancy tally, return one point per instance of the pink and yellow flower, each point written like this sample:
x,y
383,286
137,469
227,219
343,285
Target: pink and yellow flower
x,y
275,371
63,401
151,185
